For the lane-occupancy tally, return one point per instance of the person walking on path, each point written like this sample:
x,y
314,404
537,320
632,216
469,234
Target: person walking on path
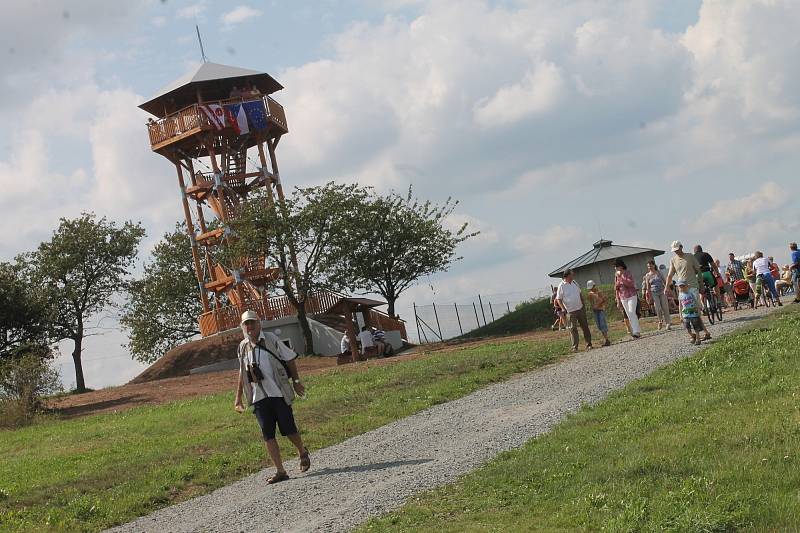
x,y
655,288
626,295
762,267
795,268
750,276
689,312
685,267
570,299
561,319
268,377
598,302
735,267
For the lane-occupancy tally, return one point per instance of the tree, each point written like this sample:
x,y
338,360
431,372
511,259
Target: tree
x,y
407,239
82,266
24,380
313,226
163,306
24,313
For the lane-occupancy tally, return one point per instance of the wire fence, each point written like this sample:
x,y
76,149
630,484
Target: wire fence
x,y
441,321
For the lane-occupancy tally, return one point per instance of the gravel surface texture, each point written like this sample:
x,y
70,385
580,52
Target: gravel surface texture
x,y
376,472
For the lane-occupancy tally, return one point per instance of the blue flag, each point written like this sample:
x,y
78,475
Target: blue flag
x,y
256,114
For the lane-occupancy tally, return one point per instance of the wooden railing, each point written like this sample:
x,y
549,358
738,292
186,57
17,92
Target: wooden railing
x,y
385,322
276,113
228,317
191,118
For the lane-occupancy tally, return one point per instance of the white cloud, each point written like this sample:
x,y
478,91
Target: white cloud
x,y
239,14
412,92
741,50
539,91
191,11
35,196
127,172
550,239
487,236
768,197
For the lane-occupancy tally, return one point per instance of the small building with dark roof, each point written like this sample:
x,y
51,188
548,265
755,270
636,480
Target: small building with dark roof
x,y
598,263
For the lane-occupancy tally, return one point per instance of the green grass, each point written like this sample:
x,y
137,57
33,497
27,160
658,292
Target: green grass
x,y
97,471
538,314
711,443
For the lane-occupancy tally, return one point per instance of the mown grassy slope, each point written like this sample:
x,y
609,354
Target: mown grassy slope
x,y
707,444
89,473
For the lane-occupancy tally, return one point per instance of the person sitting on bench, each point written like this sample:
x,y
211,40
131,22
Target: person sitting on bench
x,y
367,344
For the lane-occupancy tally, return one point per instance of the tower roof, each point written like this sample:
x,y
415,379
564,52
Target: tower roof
x,y
213,80
602,250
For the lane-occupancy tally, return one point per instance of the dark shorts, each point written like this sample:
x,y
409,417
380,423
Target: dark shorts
x,y
693,323
271,411
600,320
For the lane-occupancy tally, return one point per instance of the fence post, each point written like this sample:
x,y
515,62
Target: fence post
x,y
416,321
437,321
491,310
459,319
477,320
482,311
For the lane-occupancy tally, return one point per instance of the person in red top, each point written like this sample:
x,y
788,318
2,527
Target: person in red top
x,y
774,269
627,296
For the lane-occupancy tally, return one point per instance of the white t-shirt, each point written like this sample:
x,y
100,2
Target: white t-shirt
x,y
761,265
366,340
345,344
261,356
570,295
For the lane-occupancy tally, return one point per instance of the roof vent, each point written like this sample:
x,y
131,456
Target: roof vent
x,y
602,243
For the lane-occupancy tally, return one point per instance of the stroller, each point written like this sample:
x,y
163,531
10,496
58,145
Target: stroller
x,y
742,294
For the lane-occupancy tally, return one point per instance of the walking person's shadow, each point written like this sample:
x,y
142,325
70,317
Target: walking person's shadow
x,y
367,467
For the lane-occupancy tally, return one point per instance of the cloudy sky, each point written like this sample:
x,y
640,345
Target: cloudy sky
x,y
553,122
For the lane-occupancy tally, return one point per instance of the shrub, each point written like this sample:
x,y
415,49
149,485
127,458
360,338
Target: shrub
x,y
24,381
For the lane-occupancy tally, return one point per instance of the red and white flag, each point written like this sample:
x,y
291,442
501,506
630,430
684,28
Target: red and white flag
x,y
240,120
215,114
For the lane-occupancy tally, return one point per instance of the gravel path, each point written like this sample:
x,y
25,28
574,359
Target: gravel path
x,y
376,472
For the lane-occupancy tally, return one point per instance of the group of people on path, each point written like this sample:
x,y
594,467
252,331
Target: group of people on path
x,y
269,379
691,275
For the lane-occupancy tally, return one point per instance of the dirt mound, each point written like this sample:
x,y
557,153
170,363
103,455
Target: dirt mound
x,y
181,359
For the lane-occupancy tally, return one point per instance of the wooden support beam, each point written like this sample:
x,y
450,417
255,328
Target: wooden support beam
x,y
190,231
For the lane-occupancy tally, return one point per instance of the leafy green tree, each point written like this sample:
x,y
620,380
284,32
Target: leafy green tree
x,y
314,226
399,240
163,305
24,380
82,266
24,313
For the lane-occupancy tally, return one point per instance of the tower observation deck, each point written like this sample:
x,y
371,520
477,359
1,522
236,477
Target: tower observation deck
x,y
219,127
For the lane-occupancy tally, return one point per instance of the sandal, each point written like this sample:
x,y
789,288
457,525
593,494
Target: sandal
x,y
277,477
707,337
305,461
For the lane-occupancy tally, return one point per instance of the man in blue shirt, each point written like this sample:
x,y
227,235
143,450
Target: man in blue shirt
x,y
795,266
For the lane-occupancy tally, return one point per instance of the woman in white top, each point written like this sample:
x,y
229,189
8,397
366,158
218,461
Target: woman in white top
x,y
761,266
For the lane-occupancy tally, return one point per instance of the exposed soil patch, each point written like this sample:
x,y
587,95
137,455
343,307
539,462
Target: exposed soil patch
x,y
149,389
164,390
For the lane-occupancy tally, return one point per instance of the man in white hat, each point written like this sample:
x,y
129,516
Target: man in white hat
x,y
685,267
268,377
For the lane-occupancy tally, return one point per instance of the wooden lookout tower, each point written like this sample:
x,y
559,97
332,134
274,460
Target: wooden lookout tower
x,y
220,127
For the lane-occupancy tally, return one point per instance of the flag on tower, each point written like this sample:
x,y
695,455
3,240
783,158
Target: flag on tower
x,y
215,114
256,114
237,118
